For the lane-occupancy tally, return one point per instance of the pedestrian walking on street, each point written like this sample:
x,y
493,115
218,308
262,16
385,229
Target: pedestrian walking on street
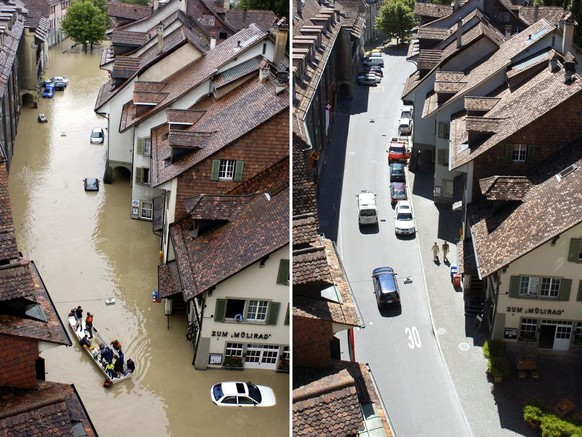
x,y
435,252
445,251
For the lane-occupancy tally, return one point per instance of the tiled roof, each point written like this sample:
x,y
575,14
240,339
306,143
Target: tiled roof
x,y
328,406
259,229
128,38
183,116
434,33
482,104
132,11
52,410
305,227
429,58
237,72
554,14
433,10
304,195
263,19
169,279
310,265
217,206
8,247
125,66
183,139
242,110
520,107
505,187
549,208
195,73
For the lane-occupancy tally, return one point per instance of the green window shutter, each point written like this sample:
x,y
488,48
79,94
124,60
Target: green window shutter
x,y
565,287
514,286
238,170
579,295
220,310
140,145
215,169
574,252
283,274
509,153
273,313
286,322
531,153
139,175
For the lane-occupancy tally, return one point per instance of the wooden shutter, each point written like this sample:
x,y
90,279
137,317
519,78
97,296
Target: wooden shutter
x,y
565,287
574,252
509,153
286,322
273,313
139,175
220,310
514,286
140,146
283,274
579,295
238,170
531,153
215,169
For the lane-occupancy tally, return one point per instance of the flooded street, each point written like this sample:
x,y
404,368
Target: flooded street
x,y
87,249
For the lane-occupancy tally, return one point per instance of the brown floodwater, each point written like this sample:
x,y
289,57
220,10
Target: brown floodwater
x,y
88,249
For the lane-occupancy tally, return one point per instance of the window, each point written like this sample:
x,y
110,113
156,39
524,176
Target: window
x,y
519,152
443,156
283,274
241,310
234,349
257,310
535,287
287,353
144,146
443,130
528,327
575,251
146,209
550,287
226,170
142,176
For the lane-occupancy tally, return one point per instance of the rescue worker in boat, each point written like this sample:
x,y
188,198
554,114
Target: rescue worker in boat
x,y
85,341
107,355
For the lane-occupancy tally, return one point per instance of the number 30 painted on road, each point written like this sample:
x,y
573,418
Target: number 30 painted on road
x,y
413,338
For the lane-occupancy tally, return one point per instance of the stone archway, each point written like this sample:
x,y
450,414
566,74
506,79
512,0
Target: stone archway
x,y
119,173
29,99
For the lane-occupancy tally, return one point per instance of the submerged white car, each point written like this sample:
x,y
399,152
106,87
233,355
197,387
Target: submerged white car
x,y
242,394
404,224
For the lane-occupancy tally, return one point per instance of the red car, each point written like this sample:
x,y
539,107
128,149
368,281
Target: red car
x,y
397,192
398,151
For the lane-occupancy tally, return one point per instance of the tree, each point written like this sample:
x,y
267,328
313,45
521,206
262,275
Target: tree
x,y
85,23
279,7
396,18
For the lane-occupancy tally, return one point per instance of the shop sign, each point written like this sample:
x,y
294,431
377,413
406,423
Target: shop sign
x,y
540,311
241,334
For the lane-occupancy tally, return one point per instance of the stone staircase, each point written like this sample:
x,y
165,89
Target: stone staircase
x,y
474,297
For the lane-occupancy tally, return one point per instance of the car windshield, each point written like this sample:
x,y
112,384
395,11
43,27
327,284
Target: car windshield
x,y
96,134
217,391
255,393
404,216
386,283
397,149
398,190
405,114
368,212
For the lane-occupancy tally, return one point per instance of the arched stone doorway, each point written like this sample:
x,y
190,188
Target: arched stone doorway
x,y
29,100
119,173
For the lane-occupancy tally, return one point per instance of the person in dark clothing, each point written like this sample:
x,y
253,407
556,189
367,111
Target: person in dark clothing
x,y
89,324
107,354
79,313
85,342
118,367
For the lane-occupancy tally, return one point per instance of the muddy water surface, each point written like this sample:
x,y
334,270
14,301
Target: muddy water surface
x,y
88,249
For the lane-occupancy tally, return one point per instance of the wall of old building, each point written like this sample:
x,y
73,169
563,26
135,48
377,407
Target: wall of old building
x,y
18,367
311,343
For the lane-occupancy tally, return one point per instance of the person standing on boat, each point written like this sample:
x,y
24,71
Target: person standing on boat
x,y
79,317
118,367
89,324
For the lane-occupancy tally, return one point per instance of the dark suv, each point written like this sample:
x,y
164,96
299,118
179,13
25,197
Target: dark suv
x,y
397,172
385,286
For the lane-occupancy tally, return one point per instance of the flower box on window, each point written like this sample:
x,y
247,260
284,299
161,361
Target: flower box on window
x,y
233,361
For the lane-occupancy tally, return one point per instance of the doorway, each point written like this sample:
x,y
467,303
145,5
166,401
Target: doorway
x,y
547,334
555,334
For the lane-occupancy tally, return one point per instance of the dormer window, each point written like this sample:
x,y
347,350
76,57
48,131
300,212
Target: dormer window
x,y
519,152
226,170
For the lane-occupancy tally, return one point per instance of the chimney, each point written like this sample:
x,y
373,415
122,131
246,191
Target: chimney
x,y
553,65
244,17
282,82
212,41
264,73
281,40
156,5
569,71
536,13
459,33
568,34
183,5
160,31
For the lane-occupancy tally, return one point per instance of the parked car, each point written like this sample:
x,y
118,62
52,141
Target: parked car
x,y
397,192
242,394
97,136
385,286
375,59
374,72
397,172
49,90
59,85
406,112
404,218
91,184
376,69
398,151
42,118
62,79
366,79
405,126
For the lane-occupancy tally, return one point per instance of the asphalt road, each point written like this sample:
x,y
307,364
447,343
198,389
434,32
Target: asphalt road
x,y
399,344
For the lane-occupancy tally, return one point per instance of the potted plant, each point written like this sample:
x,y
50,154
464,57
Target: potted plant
x,y
233,361
532,414
497,365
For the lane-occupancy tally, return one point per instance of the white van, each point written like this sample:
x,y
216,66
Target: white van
x,y
367,211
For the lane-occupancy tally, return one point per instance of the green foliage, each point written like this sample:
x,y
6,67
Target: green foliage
x,y
396,18
137,2
532,413
279,7
493,348
494,351
550,424
102,5
85,23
